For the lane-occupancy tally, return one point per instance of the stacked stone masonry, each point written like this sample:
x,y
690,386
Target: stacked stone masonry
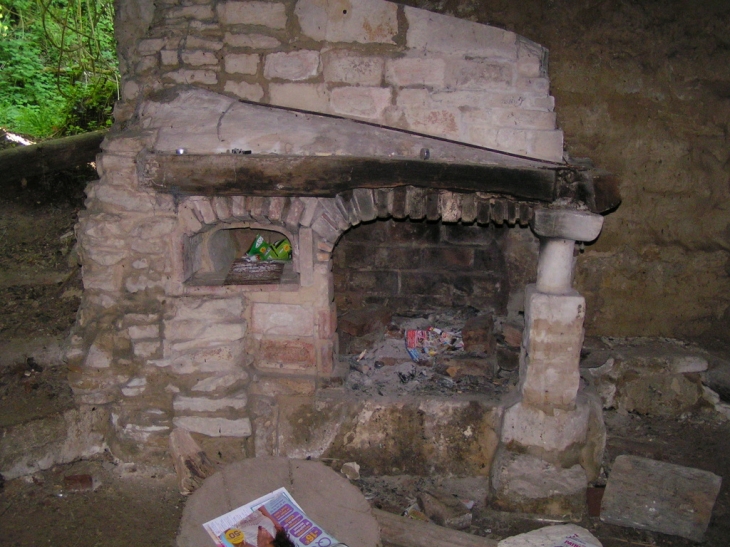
x,y
371,60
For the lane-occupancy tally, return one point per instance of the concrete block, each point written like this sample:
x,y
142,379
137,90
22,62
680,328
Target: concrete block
x,y
360,102
267,14
343,66
294,65
241,63
251,41
214,427
553,337
367,21
408,71
437,33
314,97
282,319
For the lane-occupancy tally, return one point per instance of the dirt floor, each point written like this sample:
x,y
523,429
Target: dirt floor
x,y
104,502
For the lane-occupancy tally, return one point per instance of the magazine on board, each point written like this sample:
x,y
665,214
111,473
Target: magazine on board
x,y
273,520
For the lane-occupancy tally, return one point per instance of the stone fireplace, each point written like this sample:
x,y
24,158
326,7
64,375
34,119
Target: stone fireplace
x,y
304,119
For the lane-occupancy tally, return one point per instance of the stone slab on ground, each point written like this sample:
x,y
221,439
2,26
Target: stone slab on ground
x,y
658,496
328,499
553,536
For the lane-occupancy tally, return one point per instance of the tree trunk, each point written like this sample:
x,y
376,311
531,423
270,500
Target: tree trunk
x,y
49,156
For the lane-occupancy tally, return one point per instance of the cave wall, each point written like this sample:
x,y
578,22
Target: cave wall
x,y
642,87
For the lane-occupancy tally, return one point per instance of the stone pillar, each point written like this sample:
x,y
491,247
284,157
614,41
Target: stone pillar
x,y
553,436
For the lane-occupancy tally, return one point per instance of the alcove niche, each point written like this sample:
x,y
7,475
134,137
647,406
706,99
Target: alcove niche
x,y
208,255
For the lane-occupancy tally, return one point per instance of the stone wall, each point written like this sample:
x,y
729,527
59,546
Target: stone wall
x,y
370,60
642,89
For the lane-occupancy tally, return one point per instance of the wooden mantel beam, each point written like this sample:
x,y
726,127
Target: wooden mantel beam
x,y
327,176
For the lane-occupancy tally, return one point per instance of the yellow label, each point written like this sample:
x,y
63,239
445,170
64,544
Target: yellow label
x,y
235,536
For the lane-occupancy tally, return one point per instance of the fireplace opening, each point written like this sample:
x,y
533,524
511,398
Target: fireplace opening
x,y
210,255
460,285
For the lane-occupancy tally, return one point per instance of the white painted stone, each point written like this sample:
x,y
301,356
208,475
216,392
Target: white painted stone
x,y
252,41
141,264
141,282
282,319
293,65
102,256
142,433
553,536
555,266
135,387
444,34
360,102
365,21
189,76
267,14
241,63
567,224
199,58
204,404
408,71
137,332
313,97
344,66
531,427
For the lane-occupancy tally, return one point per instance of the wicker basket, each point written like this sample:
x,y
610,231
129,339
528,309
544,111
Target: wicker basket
x,y
243,272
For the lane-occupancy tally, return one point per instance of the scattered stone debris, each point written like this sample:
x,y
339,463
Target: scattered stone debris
x,y
445,510
658,496
351,470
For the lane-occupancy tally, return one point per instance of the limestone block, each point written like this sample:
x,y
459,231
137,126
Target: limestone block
x,y
529,119
295,65
551,344
527,426
199,58
479,75
200,12
204,404
326,228
366,21
444,34
150,46
360,102
206,309
211,359
343,66
145,348
189,222
528,484
408,71
252,41
189,76
134,387
365,202
566,224
450,206
125,199
155,227
146,64
425,117
221,382
314,97
215,334
214,427
241,63
197,42
100,353
550,536
141,282
282,319
267,14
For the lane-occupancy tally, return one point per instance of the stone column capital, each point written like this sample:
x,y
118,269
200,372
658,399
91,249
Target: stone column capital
x,y
566,224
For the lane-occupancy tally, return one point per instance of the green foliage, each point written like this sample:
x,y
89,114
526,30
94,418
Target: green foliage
x,y
58,69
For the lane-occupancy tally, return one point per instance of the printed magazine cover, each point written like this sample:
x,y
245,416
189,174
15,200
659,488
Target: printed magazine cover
x,y
273,520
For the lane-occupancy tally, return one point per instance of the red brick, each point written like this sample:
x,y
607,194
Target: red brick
x,y
287,351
